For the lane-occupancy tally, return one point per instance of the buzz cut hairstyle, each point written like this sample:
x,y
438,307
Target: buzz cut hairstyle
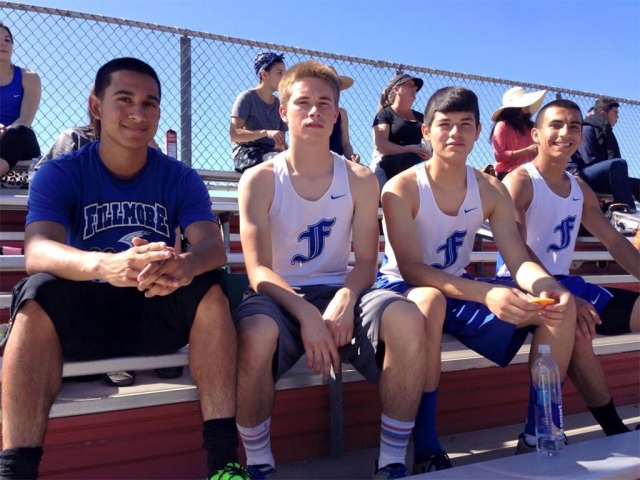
x,y
308,69
561,103
452,99
103,77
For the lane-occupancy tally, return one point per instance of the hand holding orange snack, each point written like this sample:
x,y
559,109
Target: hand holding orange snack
x,y
543,302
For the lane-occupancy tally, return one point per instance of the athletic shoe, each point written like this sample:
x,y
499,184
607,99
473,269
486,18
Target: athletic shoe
x,y
262,472
119,379
431,463
232,471
524,447
394,470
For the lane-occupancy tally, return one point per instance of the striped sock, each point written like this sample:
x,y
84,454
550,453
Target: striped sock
x,y
394,438
257,443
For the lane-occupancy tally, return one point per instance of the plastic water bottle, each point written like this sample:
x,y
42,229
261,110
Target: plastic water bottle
x,y
548,408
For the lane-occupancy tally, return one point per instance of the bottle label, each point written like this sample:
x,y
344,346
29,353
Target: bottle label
x,y
548,409
556,413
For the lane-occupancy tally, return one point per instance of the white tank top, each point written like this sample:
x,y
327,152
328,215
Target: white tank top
x,y
446,241
311,240
552,224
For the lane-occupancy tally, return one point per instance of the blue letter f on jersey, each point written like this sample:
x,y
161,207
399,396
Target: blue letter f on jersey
x,y
316,235
565,228
454,242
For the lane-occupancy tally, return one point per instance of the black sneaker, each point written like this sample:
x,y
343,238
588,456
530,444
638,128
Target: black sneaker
x,y
431,463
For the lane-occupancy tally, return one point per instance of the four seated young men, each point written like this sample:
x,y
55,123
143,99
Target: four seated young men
x,y
105,282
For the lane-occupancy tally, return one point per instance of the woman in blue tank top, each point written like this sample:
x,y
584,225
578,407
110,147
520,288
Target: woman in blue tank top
x,y
20,91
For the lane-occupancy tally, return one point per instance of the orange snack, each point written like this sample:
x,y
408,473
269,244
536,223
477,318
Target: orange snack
x,y
542,301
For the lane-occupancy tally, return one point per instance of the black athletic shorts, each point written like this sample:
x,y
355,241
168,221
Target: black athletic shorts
x,y
616,315
97,320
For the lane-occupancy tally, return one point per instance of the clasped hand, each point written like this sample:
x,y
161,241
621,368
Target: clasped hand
x,y
153,268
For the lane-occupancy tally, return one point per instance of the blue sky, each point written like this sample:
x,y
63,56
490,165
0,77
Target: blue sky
x,y
592,46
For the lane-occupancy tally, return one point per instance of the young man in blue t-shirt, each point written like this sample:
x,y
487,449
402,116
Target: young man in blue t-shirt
x,y
104,280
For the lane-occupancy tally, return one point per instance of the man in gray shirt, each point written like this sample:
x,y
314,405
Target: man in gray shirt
x,y
256,129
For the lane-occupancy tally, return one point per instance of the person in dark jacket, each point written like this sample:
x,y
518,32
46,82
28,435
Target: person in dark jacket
x,y
598,161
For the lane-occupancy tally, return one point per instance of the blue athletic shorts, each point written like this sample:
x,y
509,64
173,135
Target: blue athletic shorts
x,y
476,327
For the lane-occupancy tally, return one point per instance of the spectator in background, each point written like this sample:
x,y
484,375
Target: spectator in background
x,y
396,129
339,141
511,132
20,91
256,129
73,138
598,160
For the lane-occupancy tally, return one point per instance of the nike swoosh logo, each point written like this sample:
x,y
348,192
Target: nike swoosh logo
x,y
16,96
333,197
470,210
596,300
577,199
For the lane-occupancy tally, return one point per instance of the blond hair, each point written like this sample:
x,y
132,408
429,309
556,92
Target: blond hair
x,y
308,69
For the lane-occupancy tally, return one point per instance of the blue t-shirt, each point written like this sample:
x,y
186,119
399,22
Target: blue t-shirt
x,y
104,213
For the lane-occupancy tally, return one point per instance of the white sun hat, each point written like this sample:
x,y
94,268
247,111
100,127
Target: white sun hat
x,y
517,97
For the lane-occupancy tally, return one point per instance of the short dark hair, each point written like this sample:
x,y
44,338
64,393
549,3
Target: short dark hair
x,y
562,103
103,77
452,99
605,103
2,25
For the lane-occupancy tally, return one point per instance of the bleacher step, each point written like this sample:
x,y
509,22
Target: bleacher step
x,y
605,457
472,448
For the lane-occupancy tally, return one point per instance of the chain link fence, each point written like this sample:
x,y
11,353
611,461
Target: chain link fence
x,y
201,75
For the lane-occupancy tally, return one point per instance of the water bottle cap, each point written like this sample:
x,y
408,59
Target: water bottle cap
x,y
544,349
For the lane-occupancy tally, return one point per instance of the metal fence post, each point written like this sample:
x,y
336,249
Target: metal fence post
x,y
185,100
